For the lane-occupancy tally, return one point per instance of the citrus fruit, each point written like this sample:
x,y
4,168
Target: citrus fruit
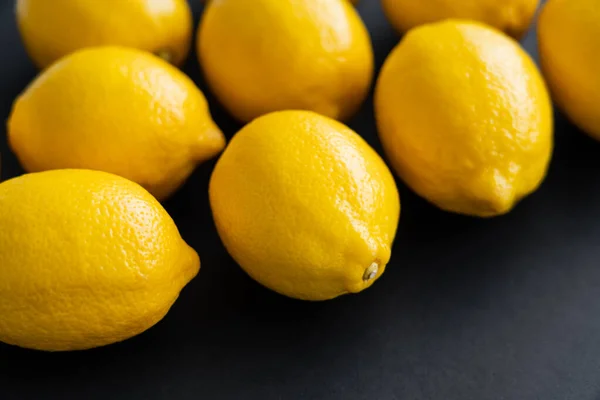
x,y
55,28
117,110
86,259
305,206
511,16
268,55
464,117
569,50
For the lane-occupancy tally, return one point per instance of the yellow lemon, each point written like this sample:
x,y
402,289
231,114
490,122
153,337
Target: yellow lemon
x,y
117,110
268,55
305,206
510,16
464,117
569,47
55,28
351,1
86,259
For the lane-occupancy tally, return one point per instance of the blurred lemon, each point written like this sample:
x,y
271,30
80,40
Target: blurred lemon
x,y
305,206
569,47
52,29
86,259
117,110
510,16
464,117
267,55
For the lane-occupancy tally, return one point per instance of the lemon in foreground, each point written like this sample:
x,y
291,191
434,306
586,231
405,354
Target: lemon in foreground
x,y
117,110
55,28
511,16
86,259
305,206
568,33
267,55
464,117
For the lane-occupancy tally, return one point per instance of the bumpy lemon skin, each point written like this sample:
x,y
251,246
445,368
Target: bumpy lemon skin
x,y
119,110
510,16
86,259
569,49
465,117
305,206
269,55
55,28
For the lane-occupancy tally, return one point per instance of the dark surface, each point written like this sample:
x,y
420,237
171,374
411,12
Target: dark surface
x,y
507,308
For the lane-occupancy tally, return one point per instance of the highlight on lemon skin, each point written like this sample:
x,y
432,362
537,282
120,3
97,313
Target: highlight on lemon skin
x,y
268,55
119,110
305,206
55,28
570,59
88,259
510,16
472,143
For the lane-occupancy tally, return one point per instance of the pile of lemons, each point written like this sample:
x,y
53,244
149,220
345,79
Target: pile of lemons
x,y
89,257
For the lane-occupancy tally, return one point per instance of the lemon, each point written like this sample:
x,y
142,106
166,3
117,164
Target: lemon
x,y
305,206
464,117
569,50
351,1
268,55
86,259
118,110
55,28
511,16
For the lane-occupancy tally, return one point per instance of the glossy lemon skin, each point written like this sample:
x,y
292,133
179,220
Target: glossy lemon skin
x,y
569,48
55,28
118,110
269,55
510,16
86,259
464,117
305,206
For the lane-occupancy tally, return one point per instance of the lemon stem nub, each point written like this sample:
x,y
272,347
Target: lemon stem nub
x,y
371,272
165,55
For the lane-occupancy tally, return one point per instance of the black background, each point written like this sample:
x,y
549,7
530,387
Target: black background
x,y
505,308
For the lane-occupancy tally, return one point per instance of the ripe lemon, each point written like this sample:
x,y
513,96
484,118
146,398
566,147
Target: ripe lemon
x,y
267,55
351,1
86,259
55,28
568,33
510,16
117,110
305,206
464,117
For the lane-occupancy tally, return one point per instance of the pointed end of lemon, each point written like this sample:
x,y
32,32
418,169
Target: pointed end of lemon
x,y
492,195
369,276
210,143
371,272
165,54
